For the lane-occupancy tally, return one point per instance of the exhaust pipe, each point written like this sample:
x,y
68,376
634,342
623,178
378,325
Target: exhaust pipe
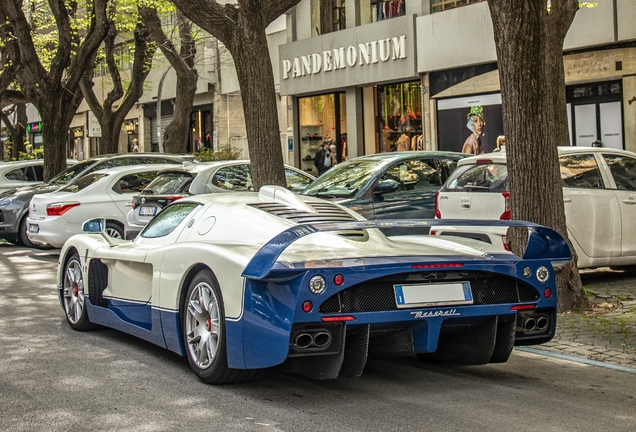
x,y
320,338
542,322
529,324
303,340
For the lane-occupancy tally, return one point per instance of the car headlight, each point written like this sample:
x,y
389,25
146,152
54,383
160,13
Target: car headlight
x,y
542,274
6,201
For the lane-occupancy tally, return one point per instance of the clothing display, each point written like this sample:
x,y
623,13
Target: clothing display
x,y
387,9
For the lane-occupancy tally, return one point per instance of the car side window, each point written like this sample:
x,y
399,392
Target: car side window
x,y
166,221
235,177
296,181
415,175
134,183
623,169
580,171
18,174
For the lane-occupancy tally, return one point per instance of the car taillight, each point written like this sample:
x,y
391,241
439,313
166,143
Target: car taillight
x,y
132,204
438,214
506,215
59,209
171,198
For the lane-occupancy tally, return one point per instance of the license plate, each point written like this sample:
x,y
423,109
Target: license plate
x,y
147,211
34,229
442,294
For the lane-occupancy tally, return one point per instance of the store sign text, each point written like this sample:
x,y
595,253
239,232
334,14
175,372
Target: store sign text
x,y
368,53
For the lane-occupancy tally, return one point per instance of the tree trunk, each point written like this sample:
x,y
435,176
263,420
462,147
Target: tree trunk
x,y
175,139
17,130
176,133
57,111
256,79
529,42
241,27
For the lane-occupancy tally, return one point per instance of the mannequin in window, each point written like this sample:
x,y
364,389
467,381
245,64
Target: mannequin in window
x,y
475,124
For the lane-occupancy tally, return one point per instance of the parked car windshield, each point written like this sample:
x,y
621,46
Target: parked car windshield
x,y
344,180
169,183
485,177
71,172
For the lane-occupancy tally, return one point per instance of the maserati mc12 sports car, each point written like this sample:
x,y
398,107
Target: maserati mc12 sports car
x,y
241,282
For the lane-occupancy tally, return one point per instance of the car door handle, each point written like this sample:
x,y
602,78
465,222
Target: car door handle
x,y
566,199
630,200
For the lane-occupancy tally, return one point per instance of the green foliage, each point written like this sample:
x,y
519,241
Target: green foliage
x,y
223,153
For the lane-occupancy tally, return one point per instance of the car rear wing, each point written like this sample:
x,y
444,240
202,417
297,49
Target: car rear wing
x,y
543,242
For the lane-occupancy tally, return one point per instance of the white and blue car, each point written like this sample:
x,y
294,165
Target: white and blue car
x,y
240,282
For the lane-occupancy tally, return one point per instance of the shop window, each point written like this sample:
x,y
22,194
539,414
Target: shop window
x,y
380,10
400,116
442,5
322,118
327,16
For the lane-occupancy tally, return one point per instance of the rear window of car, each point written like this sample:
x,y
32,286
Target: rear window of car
x,y
18,174
134,183
83,182
234,177
484,177
71,172
169,183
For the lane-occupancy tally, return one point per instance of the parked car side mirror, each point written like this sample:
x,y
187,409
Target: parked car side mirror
x,y
385,186
94,225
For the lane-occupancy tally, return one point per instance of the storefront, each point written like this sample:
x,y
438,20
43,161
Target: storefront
x,y
357,88
595,113
76,143
132,134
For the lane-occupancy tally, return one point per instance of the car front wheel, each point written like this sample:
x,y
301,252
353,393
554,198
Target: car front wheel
x,y
114,230
74,299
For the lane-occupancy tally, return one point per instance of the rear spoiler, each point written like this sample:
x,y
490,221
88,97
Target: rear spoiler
x,y
543,242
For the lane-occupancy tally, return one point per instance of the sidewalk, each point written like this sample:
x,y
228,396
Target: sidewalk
x,y
605,331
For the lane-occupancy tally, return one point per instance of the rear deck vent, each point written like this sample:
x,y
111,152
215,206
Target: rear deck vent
x,y
325,212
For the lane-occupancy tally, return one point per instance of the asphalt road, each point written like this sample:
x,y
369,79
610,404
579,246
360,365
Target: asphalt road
x,y
53,378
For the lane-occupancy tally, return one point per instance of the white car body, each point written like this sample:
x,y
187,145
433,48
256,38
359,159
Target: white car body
x,y
600,204
99,199
230,280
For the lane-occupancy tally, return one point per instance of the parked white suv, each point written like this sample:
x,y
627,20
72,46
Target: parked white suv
x,y
599,193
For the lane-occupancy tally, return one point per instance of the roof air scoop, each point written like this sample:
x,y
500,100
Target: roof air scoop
x,y
280,195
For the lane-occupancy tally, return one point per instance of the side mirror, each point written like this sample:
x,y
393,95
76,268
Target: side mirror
x,y
386,186
94,225
98,226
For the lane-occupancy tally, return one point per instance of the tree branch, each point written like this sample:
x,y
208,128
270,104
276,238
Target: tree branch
x,y
272,9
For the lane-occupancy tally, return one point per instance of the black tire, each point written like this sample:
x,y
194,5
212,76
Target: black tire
x,y
73,300
24,238
114,230
203,311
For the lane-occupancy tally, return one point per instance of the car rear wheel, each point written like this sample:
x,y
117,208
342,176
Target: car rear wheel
x,y
73,295
203,327
114,230
24,238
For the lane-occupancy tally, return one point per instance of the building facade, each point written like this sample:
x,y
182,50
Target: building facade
x,y
375,76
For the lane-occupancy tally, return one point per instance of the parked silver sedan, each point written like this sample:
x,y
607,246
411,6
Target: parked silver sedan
x,y
175,183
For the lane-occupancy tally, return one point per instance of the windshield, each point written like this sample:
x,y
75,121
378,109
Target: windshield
x,y
71,172
83,182
486,177
169,184
344,180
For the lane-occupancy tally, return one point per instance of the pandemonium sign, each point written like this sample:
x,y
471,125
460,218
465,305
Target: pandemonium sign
x,y
370,54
